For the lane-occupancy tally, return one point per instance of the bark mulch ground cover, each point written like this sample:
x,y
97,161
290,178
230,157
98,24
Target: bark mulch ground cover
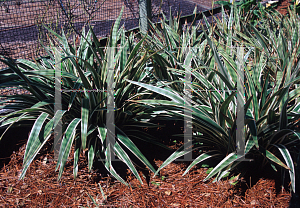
x,y
283,7
41,189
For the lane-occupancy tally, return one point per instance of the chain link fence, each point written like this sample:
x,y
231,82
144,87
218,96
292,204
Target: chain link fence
x,y
21,21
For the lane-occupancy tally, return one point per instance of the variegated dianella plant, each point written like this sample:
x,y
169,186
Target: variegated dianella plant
x,y
150,73
271,80
83,115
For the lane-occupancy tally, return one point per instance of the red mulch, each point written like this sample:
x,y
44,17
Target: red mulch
x,y
283,7
41,189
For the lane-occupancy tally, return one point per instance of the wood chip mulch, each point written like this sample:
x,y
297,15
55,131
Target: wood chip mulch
x,y
41,189
283,6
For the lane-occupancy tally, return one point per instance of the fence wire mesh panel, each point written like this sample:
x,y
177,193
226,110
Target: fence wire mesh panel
x,y
21,22
22,30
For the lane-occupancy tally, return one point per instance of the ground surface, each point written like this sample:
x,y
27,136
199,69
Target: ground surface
x,y
283,7
170,189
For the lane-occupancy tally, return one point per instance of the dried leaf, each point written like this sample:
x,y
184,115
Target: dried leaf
x,y
168,192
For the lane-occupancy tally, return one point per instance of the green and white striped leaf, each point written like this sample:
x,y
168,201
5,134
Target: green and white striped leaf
x,y
84,121
289,161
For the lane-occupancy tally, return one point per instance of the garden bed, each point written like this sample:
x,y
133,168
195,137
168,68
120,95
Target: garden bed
x,y
258,188
170,189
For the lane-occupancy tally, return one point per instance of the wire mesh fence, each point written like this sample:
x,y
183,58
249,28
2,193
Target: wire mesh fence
x,y
21,22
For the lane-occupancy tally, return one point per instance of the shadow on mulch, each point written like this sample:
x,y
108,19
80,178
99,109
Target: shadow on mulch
x,y
11,142
170,189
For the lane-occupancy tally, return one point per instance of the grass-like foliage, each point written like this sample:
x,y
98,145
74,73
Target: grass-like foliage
x,y
84,66
271,76
150,81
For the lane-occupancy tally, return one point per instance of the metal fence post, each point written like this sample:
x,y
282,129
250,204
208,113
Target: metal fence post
x,y
145,14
